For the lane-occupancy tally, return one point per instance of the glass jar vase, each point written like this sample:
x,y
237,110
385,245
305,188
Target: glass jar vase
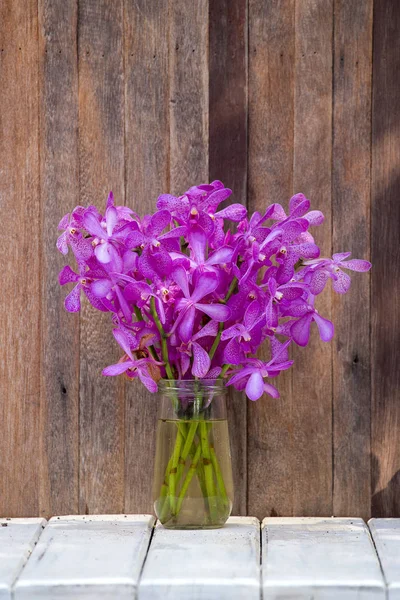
x,y
193,486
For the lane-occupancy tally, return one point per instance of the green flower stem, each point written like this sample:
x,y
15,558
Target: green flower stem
x,y
208,470
218,474
221,325
223,371
164,348
173,471
188,478
164,500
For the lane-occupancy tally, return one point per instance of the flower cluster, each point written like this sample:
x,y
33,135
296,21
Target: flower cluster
x,y
191,297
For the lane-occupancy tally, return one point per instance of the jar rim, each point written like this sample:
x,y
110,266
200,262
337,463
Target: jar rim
x,y
180,385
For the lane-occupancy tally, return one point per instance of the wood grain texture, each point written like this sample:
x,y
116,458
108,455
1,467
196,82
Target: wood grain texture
x,y
17,540
228,57
96,557
59,190
319,558
351,226
312,387
271,131
386,536
147,176
220,564
101,145
20,314
385,214
188,76
272,97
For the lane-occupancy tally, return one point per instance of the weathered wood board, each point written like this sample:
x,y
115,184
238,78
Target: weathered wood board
x,y
319,558
216,564
17,540
386,536
96,557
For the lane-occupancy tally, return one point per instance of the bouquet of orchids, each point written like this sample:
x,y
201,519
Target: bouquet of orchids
x,y
191,299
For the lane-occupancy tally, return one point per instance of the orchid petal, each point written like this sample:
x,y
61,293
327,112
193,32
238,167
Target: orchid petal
x,y
67,275
198,243
110,200
97,303
326,328
337,258
362,266
318,282
134,239
315,217
111,219
233,212
298,205
218,312
101,287
210,329
233,353
62,244
201,361
179,275
271,390
185,327
341,282
117,369
123,341
158,222
63,224
72,302
300,330
147,381
172,203
103,253
255,386
92,225
206,284
221,256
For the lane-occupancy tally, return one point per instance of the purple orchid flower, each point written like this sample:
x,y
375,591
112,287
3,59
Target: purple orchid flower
x,y
132,367
187,306
251,377
83,282
300,329
190,296
72,236
244,337
325,268
108,237
201,360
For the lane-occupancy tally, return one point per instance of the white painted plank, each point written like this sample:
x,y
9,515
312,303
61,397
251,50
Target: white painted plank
x,y
386,535
17,540
319,558
92,557
213,564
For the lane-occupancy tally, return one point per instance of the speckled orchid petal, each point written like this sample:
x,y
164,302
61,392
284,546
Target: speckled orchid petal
x,y
201,361
233,212
67,275
318,281
341,282
362,266
72,302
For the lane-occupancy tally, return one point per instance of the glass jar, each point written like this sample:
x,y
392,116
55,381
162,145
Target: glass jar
x,y
193,486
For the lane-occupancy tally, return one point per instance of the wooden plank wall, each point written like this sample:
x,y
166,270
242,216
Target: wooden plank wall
x,y
272,97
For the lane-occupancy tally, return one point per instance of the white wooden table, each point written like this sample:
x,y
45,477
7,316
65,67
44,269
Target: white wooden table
x,y
130,556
